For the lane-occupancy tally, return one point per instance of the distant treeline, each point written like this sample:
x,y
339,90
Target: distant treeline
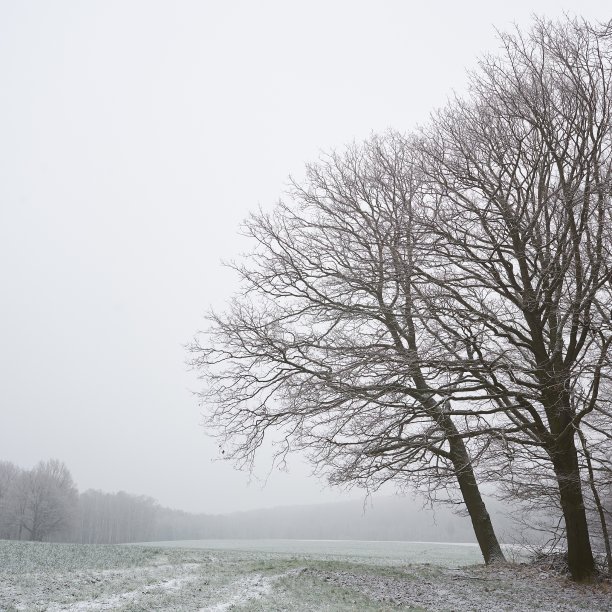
x,y
43,504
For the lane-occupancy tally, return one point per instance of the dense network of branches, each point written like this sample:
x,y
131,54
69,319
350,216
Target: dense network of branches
x,y
436,308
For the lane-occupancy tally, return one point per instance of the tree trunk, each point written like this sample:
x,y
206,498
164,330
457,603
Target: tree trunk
x,y
462,465
481,521
579,554
598,505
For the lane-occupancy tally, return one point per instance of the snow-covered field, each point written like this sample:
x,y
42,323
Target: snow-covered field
x,y
310,576
377,552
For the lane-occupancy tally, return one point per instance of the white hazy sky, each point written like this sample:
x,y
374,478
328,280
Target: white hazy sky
x,y
134,137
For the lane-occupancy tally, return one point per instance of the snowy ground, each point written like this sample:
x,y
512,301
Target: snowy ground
x,y
62,577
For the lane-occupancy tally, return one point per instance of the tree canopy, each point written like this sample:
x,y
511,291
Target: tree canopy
x,y
434,308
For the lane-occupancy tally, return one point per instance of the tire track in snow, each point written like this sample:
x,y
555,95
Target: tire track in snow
x,y
112,602
249,588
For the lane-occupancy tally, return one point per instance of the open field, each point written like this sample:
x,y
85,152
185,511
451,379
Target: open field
x,y
67,577
376,552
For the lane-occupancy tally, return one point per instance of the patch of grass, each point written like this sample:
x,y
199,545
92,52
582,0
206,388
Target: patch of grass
x,y
305,592
26,557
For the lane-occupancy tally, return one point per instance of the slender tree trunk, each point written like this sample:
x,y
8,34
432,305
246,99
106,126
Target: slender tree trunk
x,y
462,464
600,509
481,521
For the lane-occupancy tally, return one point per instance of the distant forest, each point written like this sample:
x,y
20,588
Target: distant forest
x,y
44,504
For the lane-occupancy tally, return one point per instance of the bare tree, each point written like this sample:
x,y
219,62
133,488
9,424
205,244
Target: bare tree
x,y
43,501
329,344
519,205
9,474
402,308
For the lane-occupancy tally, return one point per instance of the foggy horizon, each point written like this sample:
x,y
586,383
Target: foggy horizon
x,y
134,138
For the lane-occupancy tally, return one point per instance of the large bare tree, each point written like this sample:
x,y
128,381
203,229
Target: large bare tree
x,y
329,343
420,306
519,204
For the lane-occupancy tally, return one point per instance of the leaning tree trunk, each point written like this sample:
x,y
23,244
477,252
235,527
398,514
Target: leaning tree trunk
x,y
464,472
462,464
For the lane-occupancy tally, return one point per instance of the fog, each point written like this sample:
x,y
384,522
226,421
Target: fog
x,y
134,137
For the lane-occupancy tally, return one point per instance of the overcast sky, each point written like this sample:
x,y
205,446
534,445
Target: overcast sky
x,y
134,137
